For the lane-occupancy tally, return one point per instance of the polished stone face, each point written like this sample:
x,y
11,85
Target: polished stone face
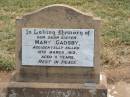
x,y
77,55
76,50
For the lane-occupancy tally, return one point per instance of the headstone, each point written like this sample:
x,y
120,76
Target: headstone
x,y
58,44
58,48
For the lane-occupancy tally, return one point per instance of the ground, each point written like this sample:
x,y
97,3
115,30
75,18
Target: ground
x,y
120,89
119,66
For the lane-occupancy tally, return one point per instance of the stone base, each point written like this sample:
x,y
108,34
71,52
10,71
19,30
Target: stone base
x,y
24,89
57,75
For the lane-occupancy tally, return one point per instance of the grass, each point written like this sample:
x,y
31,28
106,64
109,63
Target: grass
x,y
7,61
6,64
115,26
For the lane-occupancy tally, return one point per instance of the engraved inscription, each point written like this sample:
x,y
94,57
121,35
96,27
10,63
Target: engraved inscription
x,y
58,47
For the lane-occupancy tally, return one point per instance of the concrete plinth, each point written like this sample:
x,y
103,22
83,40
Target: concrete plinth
x,y
24,89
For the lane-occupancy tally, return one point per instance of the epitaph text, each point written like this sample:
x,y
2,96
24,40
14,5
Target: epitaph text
x,y
58,47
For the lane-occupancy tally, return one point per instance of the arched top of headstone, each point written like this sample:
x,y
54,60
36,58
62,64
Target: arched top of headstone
x,y
59,15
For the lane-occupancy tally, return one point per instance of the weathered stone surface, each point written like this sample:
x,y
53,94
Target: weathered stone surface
x,y
58,16
37,89
54,90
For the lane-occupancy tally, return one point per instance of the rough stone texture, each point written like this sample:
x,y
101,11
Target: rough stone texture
x,y
57,16
37,89
59,90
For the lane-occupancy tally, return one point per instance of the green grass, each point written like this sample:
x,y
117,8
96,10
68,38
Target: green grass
x,y
7,61
114,14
